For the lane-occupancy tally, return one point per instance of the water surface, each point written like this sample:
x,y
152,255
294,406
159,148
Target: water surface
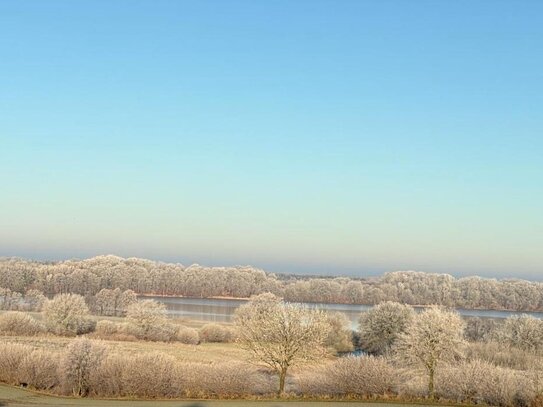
x,y
222,310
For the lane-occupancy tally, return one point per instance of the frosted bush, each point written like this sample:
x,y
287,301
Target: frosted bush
x,y
480,382
189,336
225,380
148,321
19,323
67,314
38,370
215,333
358,376
152,375
11,357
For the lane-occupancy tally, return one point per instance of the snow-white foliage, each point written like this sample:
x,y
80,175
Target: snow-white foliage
x,y
380,326
435,336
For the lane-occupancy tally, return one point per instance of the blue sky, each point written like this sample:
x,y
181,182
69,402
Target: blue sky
x,y
346,137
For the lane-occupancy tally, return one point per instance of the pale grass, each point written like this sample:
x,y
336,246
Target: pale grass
x,y
203,353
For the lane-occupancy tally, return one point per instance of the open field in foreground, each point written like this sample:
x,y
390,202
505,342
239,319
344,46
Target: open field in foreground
x,y
12,396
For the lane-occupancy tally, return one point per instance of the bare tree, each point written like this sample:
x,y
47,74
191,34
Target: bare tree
x,y
281,335
434,336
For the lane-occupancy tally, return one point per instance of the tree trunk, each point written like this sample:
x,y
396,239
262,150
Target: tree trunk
x,y
282,377
431,391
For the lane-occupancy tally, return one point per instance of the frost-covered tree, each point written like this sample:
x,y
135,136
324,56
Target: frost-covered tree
x,y
435,336
148,321
380,326
81,358
281,335
67,314
113,302
524,332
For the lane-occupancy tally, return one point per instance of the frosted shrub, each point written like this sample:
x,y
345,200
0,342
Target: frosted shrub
x,y
106,328
500,355
524,332
232,379
67,314
80,360
113,331
215,333
480,382
19,323
354,376
152,375
148,321
165,332
11,357
38,369
189,336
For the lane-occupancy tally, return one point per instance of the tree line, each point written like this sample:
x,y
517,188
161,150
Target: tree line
x,y
88,277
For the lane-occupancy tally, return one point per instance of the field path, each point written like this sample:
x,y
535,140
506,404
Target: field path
x,y
12,396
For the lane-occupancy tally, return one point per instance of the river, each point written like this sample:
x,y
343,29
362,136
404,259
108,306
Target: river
x,y
222,310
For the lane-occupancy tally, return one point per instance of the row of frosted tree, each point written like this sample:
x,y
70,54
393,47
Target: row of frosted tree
x,y
88,277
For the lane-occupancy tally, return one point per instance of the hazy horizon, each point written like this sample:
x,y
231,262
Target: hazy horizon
x,y
319,137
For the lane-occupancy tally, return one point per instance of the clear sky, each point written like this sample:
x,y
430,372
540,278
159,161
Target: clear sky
x,y
346,137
